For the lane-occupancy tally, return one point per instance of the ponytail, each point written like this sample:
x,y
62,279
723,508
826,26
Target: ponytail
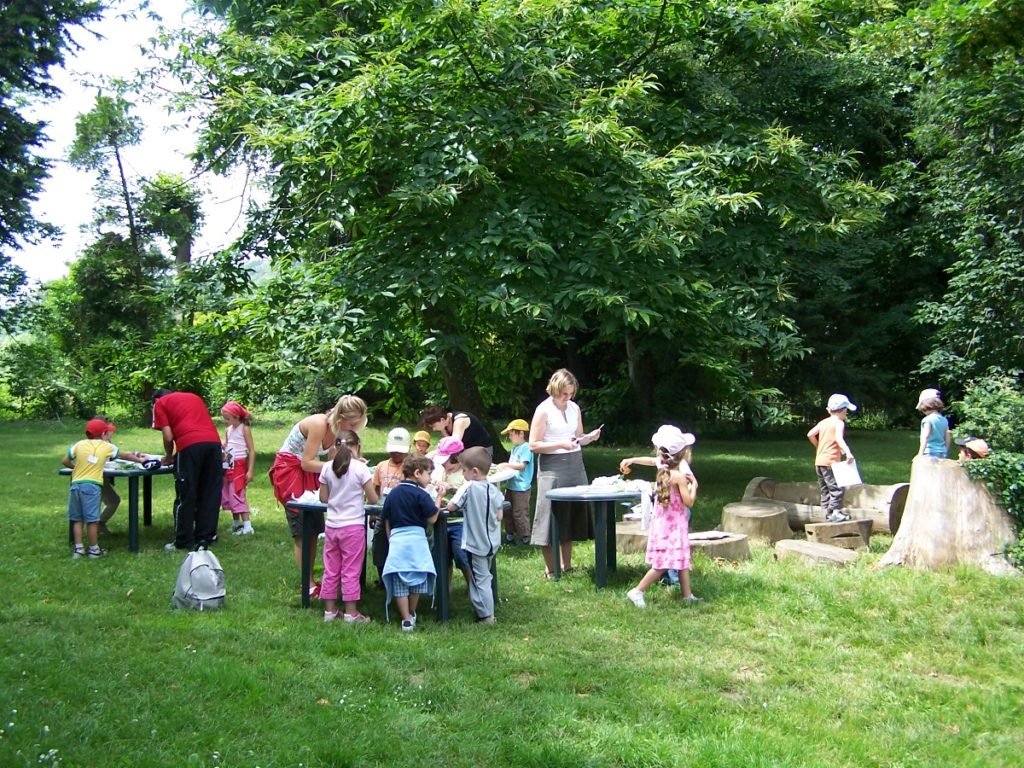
x,y
666,463
341,460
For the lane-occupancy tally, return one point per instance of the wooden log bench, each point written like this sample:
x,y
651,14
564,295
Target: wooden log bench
x,y
715,544
814,552
763,521
853,534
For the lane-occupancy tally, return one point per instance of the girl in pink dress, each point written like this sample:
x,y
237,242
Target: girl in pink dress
x,y
668,543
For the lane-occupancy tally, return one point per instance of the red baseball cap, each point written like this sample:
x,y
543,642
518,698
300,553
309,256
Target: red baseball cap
x,y
96,427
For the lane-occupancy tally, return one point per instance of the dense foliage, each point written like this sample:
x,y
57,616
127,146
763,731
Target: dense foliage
x,y
712,213
33,38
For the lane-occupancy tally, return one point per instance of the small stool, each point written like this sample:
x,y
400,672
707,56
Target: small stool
x,y
763,521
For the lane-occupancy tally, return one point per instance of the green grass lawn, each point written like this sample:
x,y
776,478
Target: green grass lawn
x,y
783,664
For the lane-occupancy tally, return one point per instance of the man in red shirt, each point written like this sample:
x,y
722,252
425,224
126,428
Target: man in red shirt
x,y
192,444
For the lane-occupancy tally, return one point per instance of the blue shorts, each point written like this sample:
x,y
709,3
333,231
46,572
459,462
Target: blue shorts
x,y
456,553
84,503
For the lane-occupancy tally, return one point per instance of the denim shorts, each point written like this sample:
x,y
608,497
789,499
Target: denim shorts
x,y
455,551
295,523
84,503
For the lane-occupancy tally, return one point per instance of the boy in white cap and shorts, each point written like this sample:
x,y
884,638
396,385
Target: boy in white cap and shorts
x,y
828,437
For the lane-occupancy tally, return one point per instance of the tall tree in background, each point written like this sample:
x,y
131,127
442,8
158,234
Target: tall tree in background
x,y
171,208
100,136
554,175
33,38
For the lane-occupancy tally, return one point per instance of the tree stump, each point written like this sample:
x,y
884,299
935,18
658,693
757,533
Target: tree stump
x,y
816,553
715,544
950,519
721,544
853,534
763,521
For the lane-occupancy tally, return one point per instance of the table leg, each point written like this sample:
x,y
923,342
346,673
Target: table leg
x,y
600,542
441,566
147,500
307,537
612,556
556,552
133,513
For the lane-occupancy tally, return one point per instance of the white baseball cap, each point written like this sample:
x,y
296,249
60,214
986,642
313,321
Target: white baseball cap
x,y
671,439
398,441
838,401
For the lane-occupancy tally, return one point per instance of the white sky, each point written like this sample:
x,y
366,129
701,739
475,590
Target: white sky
x,y
67,198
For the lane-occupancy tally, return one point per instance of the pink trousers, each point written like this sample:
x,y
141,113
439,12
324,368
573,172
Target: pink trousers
x,y
344,556
233,499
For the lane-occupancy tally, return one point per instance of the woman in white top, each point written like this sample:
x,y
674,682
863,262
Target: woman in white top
x,y
556,435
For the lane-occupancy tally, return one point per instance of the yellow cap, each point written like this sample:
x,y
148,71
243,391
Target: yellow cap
x,y
519,425
421,436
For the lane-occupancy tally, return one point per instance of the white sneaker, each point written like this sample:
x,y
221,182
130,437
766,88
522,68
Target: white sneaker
x,y
408,625
636,597
244,532
328,616
412,617
170,547
356,618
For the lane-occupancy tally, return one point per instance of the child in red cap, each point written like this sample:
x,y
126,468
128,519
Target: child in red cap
x,y
86,459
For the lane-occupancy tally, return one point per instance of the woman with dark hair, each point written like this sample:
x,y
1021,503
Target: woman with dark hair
x,y
461,425
556,436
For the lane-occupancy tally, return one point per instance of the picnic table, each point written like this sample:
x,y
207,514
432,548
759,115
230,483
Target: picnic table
x,y
602,500
133,475
442,600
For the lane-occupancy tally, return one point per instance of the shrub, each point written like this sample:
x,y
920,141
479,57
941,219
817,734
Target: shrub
x,y
991,409
1003,473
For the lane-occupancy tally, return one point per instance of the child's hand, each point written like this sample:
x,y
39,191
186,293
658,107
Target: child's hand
x,y
624,466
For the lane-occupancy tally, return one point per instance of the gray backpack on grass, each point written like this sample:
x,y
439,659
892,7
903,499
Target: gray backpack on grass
x,y
200,584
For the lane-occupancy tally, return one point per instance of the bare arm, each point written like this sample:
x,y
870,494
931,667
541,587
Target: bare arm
x,y
841,441
129,456
324,493
371,492
926,430
168,444
687,485
316,429
251,450
643,461
67,462
812,435
459,426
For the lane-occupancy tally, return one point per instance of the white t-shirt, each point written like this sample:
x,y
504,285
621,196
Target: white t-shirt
x,y
345,494
561,426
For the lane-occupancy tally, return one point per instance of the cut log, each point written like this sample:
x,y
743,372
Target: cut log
x,y
715,544
762,521
948,520
728,546
814,552
882,503
853,534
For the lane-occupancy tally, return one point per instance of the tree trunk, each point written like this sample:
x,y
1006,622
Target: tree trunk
x,y
638,366
948,520
460,382
182,253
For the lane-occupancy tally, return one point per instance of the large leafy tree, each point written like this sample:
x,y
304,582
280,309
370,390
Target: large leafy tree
x,y
33,38
970,132
576,178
